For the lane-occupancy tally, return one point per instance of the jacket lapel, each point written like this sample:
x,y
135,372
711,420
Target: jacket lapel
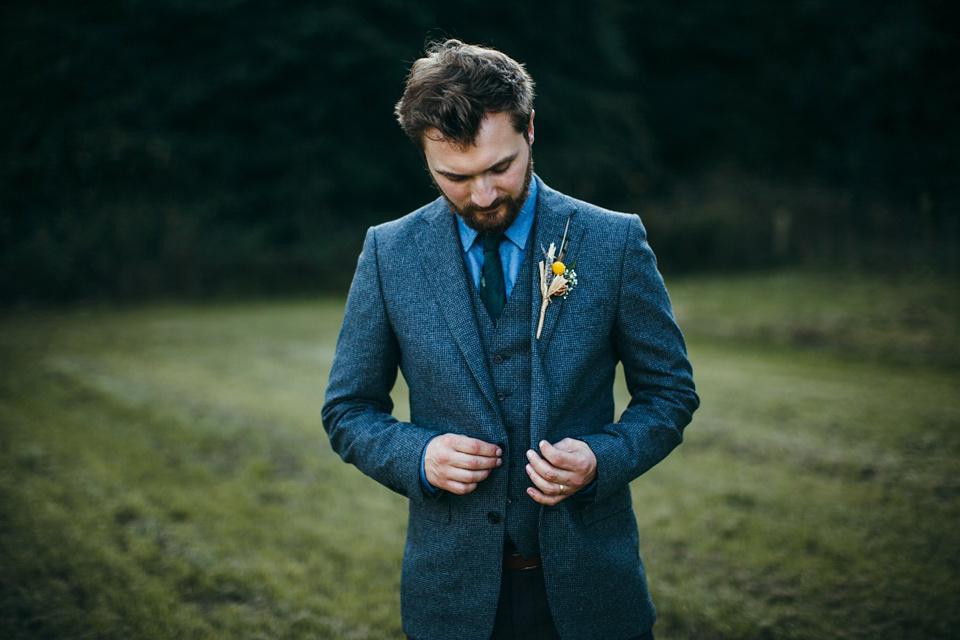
x,y
441,258
553,210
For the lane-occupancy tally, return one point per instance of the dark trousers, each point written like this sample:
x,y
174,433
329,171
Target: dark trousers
x,y
523,612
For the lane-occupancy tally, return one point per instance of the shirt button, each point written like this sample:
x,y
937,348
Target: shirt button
x,y
493,517
498,358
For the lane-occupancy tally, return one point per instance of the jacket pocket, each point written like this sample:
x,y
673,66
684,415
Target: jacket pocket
x,y
596,511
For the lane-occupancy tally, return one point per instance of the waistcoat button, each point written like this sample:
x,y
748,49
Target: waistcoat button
x,y
493,517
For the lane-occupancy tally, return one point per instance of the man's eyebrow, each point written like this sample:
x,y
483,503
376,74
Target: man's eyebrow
x,y
504,161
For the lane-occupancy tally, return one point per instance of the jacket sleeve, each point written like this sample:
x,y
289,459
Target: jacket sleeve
x,y
658,375
357,408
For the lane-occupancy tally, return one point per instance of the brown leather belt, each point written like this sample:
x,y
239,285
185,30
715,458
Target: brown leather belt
x,y
516,562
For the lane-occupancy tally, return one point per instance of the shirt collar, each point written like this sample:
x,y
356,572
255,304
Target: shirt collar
x,y
518,232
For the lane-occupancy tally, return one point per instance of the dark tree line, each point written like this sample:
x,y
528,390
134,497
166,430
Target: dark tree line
x,y
240,146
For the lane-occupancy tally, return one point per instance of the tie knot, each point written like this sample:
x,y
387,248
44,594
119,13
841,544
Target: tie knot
x,y
491,241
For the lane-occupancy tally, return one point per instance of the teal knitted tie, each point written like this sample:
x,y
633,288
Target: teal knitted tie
x,y
493,292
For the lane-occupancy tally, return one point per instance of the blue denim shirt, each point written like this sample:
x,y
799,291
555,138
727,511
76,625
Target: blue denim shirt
x,y
511,253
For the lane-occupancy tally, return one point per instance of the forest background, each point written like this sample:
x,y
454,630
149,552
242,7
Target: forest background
x,y
184,189
197,148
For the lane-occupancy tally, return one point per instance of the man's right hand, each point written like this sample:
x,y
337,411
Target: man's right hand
x,y
458,463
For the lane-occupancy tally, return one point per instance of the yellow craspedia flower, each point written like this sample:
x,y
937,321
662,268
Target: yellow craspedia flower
x,y
558,268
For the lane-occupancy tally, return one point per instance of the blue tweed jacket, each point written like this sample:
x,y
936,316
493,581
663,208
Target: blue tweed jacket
x,y
409,308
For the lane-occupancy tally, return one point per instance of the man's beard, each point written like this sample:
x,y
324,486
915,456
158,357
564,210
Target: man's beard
x,y
481,220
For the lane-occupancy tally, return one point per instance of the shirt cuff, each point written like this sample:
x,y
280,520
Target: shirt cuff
x,y
428,488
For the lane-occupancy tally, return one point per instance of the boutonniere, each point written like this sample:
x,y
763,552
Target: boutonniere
x,y
558,279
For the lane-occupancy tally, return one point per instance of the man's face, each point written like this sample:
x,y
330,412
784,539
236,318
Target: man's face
x,y
486,183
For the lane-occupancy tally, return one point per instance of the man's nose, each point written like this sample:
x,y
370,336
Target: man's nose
x,y
482,192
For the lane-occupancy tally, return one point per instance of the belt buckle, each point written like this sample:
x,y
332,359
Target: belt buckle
x,y
516,562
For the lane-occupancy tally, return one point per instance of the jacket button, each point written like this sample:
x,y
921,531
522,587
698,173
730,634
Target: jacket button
x,y
493,517
498,358
501,396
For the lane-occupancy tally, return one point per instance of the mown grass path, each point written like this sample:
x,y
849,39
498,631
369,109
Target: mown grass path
x,y
164,472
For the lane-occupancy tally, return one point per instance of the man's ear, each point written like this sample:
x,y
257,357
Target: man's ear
x,y
530,127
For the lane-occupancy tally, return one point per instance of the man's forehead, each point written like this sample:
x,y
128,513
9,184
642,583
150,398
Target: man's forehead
x,y
496,141
468,161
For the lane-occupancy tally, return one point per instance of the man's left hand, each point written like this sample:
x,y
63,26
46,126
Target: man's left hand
x,y
560,470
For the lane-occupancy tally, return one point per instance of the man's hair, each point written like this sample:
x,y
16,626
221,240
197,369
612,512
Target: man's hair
x,y
456,85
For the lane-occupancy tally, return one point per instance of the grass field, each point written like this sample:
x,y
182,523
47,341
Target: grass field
x,y
164,472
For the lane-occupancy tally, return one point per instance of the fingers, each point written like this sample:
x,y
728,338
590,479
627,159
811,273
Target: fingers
x,y
458,463
550,484
544,491
469,454
571,455
540,469
562,470
472,446
547,488
543,498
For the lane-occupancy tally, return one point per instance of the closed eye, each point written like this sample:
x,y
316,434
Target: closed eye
x,y
497,169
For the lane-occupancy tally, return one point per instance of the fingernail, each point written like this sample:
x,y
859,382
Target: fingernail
x,y
543,443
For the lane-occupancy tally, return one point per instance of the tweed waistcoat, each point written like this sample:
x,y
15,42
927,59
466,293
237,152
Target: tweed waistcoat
x,y
507,348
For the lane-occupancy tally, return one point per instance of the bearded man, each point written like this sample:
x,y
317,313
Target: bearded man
x,y
507,307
